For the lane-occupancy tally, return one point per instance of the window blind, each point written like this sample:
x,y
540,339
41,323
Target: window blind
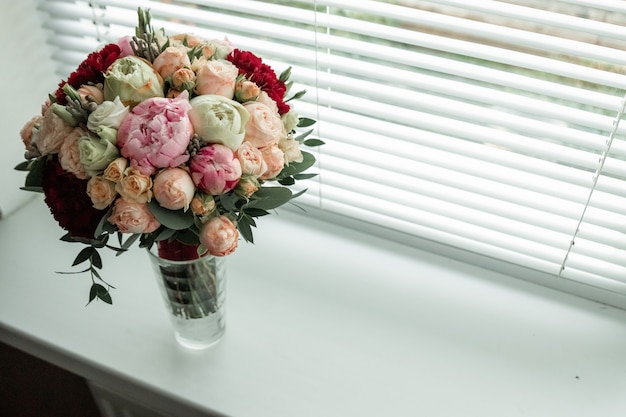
x,y
490,129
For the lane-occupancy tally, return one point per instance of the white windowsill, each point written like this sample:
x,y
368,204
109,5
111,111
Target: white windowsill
x,y
322,321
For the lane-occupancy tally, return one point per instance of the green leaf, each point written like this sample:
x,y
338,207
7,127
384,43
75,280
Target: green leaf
x,y
302,136
268,198
244,225
306,122
287,181
296,96
83,255
35,175
104,225
23,166
102,293
255,212
32,189
96,260
308,160
187,236
284,76
304,176
172,219
129,242
313,142
299,193
165,234
229,201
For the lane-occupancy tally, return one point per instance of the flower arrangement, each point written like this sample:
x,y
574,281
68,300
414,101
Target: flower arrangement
x,y
169,140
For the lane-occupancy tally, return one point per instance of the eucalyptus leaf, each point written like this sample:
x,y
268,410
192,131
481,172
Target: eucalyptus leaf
x,y
296,96
96,259
35,175
313,142
104,225
268,198
172,219
32,189
304,176
83,255
303,135
245,229
23,166
287,181
305,122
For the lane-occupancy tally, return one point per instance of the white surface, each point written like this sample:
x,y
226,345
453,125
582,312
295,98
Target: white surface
x,y
321,322
28,77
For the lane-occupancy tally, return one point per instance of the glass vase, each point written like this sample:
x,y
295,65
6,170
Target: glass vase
x,y
194,292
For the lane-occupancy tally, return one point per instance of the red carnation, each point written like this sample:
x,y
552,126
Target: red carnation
x,y
91,70
67,198
262,75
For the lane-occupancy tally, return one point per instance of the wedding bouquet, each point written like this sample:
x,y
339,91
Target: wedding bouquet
x,y
166,140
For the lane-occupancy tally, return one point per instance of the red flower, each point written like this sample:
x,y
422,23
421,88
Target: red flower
x,y
91,70
67,198
262,75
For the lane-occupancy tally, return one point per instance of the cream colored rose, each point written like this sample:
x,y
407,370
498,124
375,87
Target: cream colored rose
x,y
134,186
290,120
69,154
170,60
275,159
173,189
101,191
186,38
132,217
264,128
251,159
265,99
291,150
52,133
219,235
108,115
115,170
217,77
221,48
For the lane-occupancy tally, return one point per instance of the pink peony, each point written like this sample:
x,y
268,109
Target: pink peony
x,y
215,169
219,235
156,134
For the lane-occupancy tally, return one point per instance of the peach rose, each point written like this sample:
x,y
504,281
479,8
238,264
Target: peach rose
x,y
264,128
202,204
265,99
29,133
251,159
217,77
187,38
247,186
174,189
220,236
170,60
132,217
274,158
101,191
91,93
52,133
246,91
69,154
183,79
115,170
134,186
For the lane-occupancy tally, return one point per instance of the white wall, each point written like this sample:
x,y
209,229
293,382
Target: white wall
x,y
27,75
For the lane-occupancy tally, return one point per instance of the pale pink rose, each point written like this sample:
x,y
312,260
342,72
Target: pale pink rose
x,y
251,159
291,149
170,60
215,169
52,133
265,99
173,189
134,186
101,191
275,160
28,132
133,217
69,154
125,48
156,134
264,128
115,170
217,77
220,236
91,93
246,91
